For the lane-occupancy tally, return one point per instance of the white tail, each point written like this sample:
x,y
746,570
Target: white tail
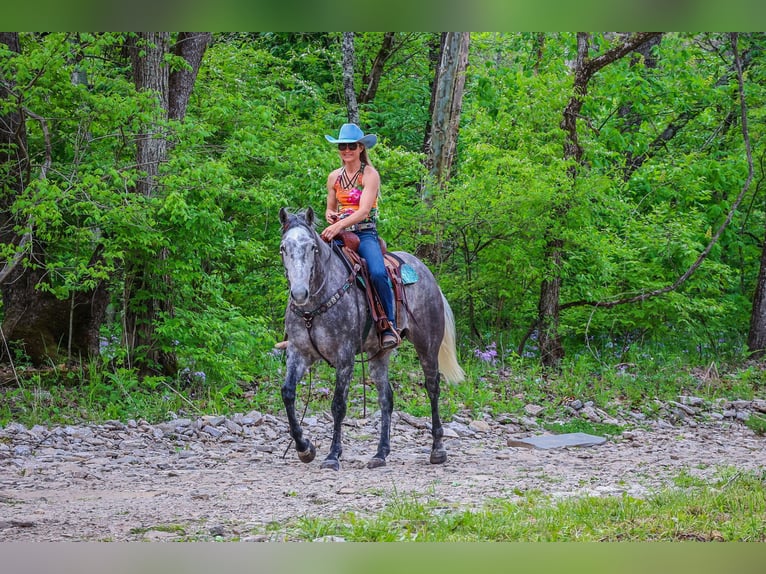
x,y
448,365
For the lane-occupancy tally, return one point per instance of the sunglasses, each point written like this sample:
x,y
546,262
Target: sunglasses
x,y
344,146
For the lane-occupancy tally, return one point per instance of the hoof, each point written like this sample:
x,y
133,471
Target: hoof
x,y
308,454
376,462
438,456
331,464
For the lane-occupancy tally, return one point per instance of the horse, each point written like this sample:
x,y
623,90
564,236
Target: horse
x,y
328,318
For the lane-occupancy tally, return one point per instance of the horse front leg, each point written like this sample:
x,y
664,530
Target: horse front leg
x,y
438,452
343,376
296,368
379,374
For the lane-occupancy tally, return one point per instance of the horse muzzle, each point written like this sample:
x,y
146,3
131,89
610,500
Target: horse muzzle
x,y
300,294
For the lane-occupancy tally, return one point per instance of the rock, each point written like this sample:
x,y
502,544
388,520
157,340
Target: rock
x,y
212,431
589,412
412,421
233,427
449,432
533,410
118,481
459,429
741,405
691,411
546,442
479,426
22,450
528,423
691,401
213,421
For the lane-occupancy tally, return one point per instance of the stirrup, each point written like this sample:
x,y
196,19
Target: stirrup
x,y
390,339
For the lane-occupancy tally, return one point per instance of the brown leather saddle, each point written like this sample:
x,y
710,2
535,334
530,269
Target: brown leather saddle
x,y
393,265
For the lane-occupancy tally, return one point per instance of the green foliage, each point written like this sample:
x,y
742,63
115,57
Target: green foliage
x,y
252,142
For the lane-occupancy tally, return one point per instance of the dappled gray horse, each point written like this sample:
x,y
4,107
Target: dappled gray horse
x,y
327,318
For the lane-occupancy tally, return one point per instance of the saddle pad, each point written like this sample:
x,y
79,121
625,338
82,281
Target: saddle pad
x,y
409,275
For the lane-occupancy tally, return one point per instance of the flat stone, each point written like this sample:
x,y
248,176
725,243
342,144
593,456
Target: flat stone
x,y
479,426
449,432
575,439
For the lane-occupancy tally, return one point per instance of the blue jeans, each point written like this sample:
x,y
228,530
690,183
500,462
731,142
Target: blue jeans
x,y
369,248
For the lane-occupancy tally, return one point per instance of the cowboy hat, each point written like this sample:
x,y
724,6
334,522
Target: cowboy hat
x,y
351,133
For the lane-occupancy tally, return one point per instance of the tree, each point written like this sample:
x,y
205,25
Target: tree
x,y
36,320
149,296
447,104
551,349
371,80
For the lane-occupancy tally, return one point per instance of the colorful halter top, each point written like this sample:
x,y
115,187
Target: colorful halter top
x,y
348,193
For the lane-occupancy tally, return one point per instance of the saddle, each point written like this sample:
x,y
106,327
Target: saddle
x,y
394,266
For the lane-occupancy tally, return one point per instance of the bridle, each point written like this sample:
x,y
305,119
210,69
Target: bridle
x,y
309,316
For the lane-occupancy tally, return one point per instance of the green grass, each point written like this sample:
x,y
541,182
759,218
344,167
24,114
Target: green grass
x,y
584,426
757,423
731,508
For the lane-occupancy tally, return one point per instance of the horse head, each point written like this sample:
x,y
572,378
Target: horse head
x,y
299,249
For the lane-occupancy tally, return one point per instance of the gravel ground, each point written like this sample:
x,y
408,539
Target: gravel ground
x,y
219,478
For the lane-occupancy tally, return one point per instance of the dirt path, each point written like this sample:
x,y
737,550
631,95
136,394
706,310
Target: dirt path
x,y
226,478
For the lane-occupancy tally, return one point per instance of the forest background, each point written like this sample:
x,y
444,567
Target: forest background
x,y
596,219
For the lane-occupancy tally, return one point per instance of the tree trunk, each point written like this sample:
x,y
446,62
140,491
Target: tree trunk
x,y
448,103
349,57
190,46
371,81
436,48
756,338
150,73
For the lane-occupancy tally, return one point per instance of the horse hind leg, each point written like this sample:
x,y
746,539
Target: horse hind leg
x,y
438,452
379,374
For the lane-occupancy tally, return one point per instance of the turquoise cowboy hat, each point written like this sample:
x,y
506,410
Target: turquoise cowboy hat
x,y
352,133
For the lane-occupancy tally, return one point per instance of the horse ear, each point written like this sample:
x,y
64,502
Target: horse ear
x,y
283,215
310,217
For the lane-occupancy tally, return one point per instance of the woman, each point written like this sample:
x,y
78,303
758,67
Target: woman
x,y
352,204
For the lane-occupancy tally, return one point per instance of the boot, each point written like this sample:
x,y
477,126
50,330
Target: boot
x,y
390,337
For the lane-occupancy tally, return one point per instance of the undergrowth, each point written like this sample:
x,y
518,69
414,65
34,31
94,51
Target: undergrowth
x,y
494,385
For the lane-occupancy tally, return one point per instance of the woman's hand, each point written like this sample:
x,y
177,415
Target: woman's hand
x,y
330,216
329,232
